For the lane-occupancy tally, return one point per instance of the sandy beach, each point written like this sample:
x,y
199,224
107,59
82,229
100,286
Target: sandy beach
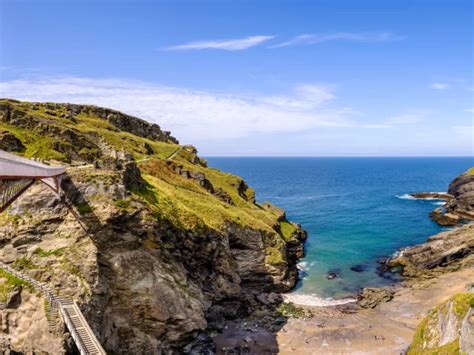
x,y
387,329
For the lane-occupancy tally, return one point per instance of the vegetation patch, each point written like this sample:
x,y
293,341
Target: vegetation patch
x,y
470,171
45,253
289,310
287,230
122,204
460,304
24,264
84,208
8,282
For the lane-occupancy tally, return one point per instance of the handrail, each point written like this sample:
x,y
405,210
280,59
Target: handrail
x,y
82,334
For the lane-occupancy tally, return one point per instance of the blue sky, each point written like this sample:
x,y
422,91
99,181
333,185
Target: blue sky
x,y
303,78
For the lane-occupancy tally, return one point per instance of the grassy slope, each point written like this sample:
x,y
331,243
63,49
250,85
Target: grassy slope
x,y
470,171
42,147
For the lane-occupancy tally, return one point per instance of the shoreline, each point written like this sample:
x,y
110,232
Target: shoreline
x,y
389,327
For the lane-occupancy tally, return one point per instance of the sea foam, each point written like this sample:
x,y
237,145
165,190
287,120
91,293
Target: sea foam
x,y
405,197
410,197
314,300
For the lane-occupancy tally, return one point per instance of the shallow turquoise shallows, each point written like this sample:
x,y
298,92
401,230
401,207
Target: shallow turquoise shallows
x,y
354,209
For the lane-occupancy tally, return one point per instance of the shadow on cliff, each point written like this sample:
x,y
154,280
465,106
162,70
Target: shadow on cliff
x,y
78,206
255,334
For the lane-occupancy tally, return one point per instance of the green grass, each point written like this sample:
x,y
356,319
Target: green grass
x,y
84,208
24,264
470,171
460,303
188,205
289,310
287,230
8,282
52,252
122,204
87,127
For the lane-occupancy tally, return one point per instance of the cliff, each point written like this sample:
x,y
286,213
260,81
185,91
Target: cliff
x,y
158,248
460,206
449,250
447,329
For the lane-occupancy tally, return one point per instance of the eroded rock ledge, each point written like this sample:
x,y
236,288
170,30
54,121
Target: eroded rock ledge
x,y
443,252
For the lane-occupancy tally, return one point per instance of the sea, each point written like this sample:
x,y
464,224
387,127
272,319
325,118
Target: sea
x,y
356,211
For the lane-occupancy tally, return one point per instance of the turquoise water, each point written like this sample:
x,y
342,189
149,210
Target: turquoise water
x,y
350,208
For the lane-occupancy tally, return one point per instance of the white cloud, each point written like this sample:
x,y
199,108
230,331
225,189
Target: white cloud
x,y
307,39
470,110
405,119
193,115
228,45
440,86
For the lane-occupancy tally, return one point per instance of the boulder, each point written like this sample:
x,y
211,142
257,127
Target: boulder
x,y
372,297
444,219
10,142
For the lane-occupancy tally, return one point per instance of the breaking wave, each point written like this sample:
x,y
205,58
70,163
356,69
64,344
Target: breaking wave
x,y
314,301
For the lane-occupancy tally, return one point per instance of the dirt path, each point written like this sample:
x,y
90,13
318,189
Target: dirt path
x,y
388,329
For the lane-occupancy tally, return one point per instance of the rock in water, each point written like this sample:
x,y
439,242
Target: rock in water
x,y
358,268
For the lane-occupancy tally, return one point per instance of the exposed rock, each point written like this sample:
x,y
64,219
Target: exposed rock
x,y
461,206
14,298
444,219
466,336
432,195
448,328
372,297
10,143
442,252
332,275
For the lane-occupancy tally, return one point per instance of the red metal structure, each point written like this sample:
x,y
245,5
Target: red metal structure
x,y
17,174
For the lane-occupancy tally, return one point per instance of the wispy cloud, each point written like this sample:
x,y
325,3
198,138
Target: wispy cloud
x,y
192,115
228,45
440,86
470,110
314,38
405,119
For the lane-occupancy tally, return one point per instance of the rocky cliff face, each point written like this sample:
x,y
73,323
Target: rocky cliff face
x,y
460,205
447,329
158,249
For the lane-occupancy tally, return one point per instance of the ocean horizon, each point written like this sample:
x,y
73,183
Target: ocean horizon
x,y
356,210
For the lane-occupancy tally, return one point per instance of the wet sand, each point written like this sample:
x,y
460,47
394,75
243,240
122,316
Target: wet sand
x,y
387,329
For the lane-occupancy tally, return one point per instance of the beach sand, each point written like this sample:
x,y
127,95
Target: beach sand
x,y
387,329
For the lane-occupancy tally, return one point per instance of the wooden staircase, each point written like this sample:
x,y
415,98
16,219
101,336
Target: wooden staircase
x,y
69,311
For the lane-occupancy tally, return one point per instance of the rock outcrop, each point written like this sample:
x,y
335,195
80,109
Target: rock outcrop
x,y
10,143
442,252
447,329
460,207
158,253
372,297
